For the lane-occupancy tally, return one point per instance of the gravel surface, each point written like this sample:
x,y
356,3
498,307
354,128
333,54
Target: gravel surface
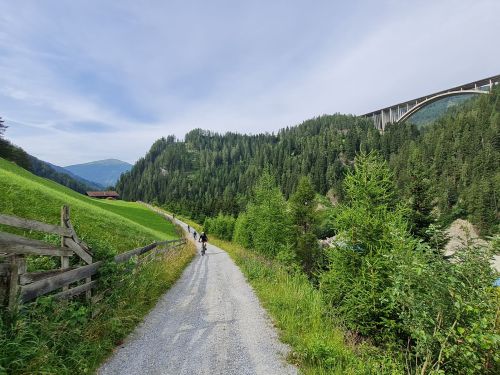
x,y
209,322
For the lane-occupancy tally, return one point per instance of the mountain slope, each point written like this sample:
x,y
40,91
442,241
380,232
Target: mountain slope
x,y
211,172
61,176
41,168
91,184
106,225
104,172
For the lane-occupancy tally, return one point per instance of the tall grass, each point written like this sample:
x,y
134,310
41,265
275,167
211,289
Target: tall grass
x,y
318,345
60,338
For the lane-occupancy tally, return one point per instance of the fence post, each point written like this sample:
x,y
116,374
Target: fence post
x,y
64,259
13,287
66,222
4,284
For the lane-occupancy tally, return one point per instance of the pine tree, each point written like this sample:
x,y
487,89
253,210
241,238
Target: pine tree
x,y
268,217
303,209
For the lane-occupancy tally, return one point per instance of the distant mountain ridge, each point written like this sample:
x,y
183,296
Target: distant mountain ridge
x,y
61,176
103,172
92,185
17,155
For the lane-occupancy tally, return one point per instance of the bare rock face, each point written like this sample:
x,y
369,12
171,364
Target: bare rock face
x,y
461,233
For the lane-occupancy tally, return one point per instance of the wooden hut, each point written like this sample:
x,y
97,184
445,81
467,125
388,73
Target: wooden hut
x,y
103,194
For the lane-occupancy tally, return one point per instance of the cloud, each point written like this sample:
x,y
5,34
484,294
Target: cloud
x,y
85,80
85,127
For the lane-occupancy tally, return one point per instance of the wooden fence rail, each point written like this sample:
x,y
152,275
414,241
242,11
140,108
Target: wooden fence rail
x,y
49,284
18,286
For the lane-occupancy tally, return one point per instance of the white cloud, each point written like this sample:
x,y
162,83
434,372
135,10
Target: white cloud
x,y
164,69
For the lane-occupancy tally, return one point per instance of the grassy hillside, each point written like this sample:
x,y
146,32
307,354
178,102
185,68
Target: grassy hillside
x,y
108,226
47,337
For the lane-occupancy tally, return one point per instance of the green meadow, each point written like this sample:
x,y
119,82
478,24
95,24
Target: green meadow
x,y
108,226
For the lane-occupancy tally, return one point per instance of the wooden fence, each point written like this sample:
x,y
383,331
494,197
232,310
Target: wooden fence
x,y
19,286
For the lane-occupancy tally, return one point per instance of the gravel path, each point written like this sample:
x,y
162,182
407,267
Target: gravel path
x,y
209,322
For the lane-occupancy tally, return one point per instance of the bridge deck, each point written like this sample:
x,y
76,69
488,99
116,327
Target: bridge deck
x,y
397,111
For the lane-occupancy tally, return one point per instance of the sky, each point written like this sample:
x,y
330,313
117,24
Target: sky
x,y
85,80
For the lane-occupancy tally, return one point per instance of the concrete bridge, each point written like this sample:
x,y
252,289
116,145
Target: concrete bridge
x,y
402,111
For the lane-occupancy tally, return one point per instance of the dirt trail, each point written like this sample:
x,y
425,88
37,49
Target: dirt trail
x,y
210,322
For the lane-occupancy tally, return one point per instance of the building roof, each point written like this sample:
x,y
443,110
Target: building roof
x,y
102,194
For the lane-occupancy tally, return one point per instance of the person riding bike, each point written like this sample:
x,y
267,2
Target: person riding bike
x,y
203,239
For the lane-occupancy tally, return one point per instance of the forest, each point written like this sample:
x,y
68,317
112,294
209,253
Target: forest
x,y
449,168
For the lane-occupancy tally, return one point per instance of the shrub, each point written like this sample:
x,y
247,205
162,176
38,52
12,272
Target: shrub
x,y
222,226
267,219
386,285
242,235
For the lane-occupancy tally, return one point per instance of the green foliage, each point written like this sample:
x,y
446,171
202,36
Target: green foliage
x,y
20,157
304,320
210,173
14,154
420,202
242,234
303,206
460,156
303,210
383,284
371,217
222,226
48,337
45,170
268,217
60,338
114,226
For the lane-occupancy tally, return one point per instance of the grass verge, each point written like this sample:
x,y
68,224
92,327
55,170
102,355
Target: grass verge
x,y
60,338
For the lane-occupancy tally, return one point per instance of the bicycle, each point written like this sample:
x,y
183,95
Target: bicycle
x,y
203,248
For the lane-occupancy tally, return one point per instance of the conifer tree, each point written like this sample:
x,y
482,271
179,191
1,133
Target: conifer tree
x,y
303,210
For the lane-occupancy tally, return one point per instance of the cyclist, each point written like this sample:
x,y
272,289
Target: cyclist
x,y
194,235
203,239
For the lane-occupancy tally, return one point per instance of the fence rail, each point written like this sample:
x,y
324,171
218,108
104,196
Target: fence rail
x,y
18,286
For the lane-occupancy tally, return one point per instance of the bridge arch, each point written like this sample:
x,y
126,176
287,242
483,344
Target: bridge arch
x,y
433,99
399,112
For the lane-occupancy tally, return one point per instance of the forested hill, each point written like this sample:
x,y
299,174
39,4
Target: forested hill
x,y
210,172
451,165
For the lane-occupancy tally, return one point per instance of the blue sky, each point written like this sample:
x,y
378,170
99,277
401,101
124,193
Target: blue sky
x,y
88,80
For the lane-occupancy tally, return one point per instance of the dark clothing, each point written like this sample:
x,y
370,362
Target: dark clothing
x,y
203,238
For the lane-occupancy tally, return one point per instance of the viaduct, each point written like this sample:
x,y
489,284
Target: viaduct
x,y
402,111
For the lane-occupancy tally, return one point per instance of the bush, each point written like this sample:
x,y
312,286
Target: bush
x,y
221,226
386,285
268,217
242,235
